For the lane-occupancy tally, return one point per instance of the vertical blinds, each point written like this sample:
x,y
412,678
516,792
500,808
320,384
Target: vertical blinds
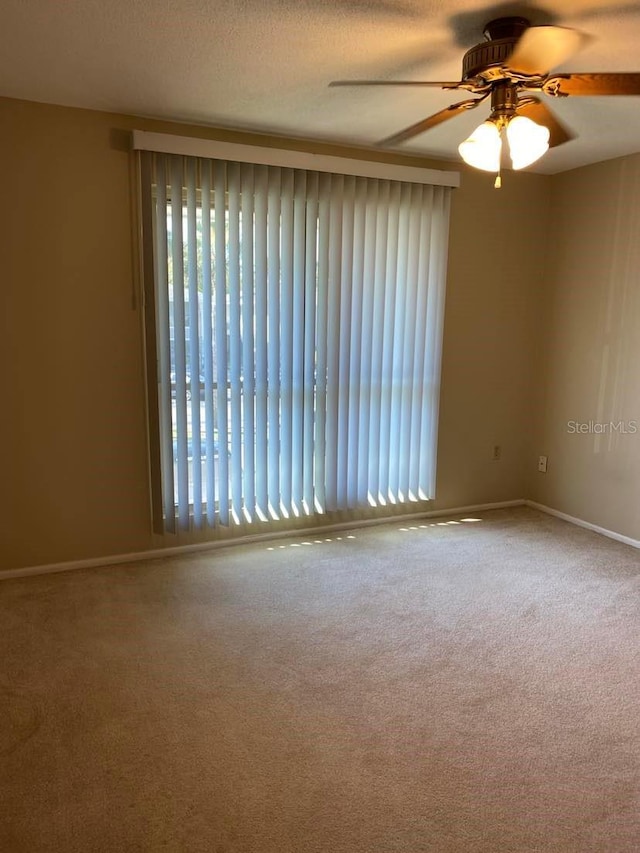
x,y
298,324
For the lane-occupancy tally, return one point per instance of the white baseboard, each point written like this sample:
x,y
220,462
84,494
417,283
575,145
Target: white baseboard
x,y
172,551
611,534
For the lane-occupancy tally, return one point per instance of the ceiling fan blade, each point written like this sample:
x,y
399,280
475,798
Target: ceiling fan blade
x,y
593,84
541,48
431,121
541,114
431,83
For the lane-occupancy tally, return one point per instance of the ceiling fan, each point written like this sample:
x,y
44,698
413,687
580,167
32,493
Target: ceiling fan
x,y
514,62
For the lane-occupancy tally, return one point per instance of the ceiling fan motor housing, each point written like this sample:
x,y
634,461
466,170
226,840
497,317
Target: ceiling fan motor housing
x,y
486,60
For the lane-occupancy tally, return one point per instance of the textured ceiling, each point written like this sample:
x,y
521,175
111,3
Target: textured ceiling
x,y
264,65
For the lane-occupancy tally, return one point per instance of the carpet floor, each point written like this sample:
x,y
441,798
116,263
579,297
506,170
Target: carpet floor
x,y
453,686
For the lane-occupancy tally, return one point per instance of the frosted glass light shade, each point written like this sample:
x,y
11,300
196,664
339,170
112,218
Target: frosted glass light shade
x,y
528,141
483,148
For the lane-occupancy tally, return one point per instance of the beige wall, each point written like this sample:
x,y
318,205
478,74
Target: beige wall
x,y
589,348
495,272
73,432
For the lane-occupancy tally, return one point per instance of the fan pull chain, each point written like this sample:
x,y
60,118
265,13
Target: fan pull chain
x,y
498,181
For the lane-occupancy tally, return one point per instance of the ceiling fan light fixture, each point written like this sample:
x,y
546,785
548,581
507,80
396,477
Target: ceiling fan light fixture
x,y
483,148
528,141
